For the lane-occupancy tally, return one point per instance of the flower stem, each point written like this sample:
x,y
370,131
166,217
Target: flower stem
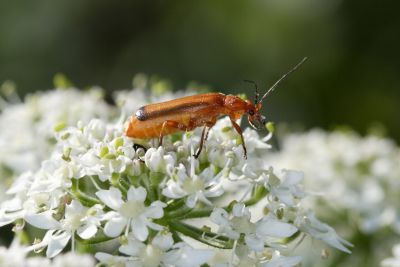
x,y
258,193
175,204
194,213
99,238
207,238
81,196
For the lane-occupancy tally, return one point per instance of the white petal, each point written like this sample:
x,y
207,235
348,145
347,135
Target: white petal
x,y
191,201
270,227
254,243
115,226
43,220
284,194
57,243
133,248
186,256
7,218
112,198
154,226
220,216
137,194
102,257
202,198
215,191
239,209
75,207
155,210
87,231
163,240
283,262
173,190
139,229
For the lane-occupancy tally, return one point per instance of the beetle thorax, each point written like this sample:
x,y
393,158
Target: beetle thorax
x,y
235,106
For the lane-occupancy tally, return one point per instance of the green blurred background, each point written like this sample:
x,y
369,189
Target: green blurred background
x,y
352,76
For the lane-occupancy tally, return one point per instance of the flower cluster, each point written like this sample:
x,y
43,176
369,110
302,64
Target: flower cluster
x,y
96,187
359,179
89,188
27,135
27,129
16,255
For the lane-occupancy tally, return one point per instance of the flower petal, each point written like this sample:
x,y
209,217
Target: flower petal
x,y
115,226
57,243
270,227
137,194
112,198
43,220
139,229
87,231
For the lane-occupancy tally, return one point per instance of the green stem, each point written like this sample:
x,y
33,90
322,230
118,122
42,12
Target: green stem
x,y
199,235
94,240
195,213
175,204
124,183
151,194
291,238
180,213
176,237
81,196
259,193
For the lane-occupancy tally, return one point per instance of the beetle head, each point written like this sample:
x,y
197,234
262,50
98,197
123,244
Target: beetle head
x,y
256,120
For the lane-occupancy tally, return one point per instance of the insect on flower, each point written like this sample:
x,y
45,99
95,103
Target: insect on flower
x,y
203,110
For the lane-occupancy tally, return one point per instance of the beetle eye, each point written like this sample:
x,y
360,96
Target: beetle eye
x,y
251,112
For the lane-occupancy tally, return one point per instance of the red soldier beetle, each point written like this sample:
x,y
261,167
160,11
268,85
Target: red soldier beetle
x,y
203,110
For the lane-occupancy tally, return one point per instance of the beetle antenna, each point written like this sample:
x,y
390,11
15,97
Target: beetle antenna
x,y
257,95
282,78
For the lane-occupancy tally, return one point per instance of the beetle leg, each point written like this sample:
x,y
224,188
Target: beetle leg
x,y
172,124
203,138
208,131
239,130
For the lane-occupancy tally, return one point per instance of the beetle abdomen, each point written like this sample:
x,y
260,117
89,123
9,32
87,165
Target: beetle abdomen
x,y
180,105
191,111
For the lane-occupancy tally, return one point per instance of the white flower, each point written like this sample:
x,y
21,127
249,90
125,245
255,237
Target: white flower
x,y
157,161
77,218
16,255
93,162
321,231
244,257
287,189
266,230
28,128
114,261
195,187
162,251
354,174
131,214
281,261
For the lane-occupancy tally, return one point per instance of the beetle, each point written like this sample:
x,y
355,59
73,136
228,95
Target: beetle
x,y
202,110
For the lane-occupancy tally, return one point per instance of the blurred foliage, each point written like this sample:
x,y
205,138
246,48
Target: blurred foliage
x,y
351,77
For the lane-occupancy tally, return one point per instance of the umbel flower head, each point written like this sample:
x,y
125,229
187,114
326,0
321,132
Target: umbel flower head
x,y
95,186
162,206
